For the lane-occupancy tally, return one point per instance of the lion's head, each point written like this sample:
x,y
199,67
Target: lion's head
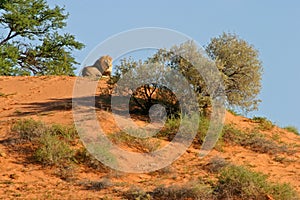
x,y
104,65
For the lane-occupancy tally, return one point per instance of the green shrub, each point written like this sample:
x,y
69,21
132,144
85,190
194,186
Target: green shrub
x,y
258,143
203,128
52,150
170,128
216,164
137,194
67,132
255,141
237,182
264,123
232,135
140,144
292,129
283,192
188,191
29,129
84,157
235,113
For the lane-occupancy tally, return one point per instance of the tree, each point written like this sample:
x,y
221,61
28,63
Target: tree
x,y
150,91
30,41
240,67
236,61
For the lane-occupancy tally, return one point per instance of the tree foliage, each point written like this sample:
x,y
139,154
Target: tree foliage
x,y
237,65
153,91
30,41
240,67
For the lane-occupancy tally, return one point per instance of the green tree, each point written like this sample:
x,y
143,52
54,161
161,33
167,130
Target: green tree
x,y
148,94
240,67
30,42
237,64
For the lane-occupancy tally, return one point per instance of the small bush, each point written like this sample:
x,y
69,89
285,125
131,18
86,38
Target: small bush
x,y
137,194
232,135
170,128
235,113
254,141
68,133
29,129
202,130
292,129
84,157
98,185
188,191
237,182
140,144
52,150
264,123
216,164
258,143
51,142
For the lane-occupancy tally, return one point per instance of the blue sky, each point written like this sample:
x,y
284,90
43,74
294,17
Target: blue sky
x,y
273,27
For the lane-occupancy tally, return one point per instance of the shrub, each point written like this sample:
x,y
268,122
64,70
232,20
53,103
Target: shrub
x,y
137,194
52,142
29,129
239,182
264,123
67,132
292,129
232,135
235,113
188,191
52,150
254,141
139,144
216,164
258,143
84,157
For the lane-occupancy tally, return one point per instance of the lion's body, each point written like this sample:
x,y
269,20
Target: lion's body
x,y
102,67
91,72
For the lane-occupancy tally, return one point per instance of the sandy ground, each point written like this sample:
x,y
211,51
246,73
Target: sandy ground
x,y
49,99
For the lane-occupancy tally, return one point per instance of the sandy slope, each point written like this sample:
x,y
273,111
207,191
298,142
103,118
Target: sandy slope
x,y
49,99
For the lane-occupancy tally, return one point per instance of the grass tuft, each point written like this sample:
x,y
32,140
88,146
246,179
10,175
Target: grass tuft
x,y
264,123
292,129
237,182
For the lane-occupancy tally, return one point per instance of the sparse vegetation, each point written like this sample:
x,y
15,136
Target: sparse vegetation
x,y
29,129
58,145
98,185
139,144
6,95
234,112
55,144
237,182
187,191
84,157
264,123
52,150
216,164
292,129
255,141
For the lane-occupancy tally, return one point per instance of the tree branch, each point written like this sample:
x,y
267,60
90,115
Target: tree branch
x,y
9,37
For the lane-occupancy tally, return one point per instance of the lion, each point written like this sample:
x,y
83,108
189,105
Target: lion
x,y
102,67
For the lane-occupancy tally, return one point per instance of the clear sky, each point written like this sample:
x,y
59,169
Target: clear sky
x,y
273,27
